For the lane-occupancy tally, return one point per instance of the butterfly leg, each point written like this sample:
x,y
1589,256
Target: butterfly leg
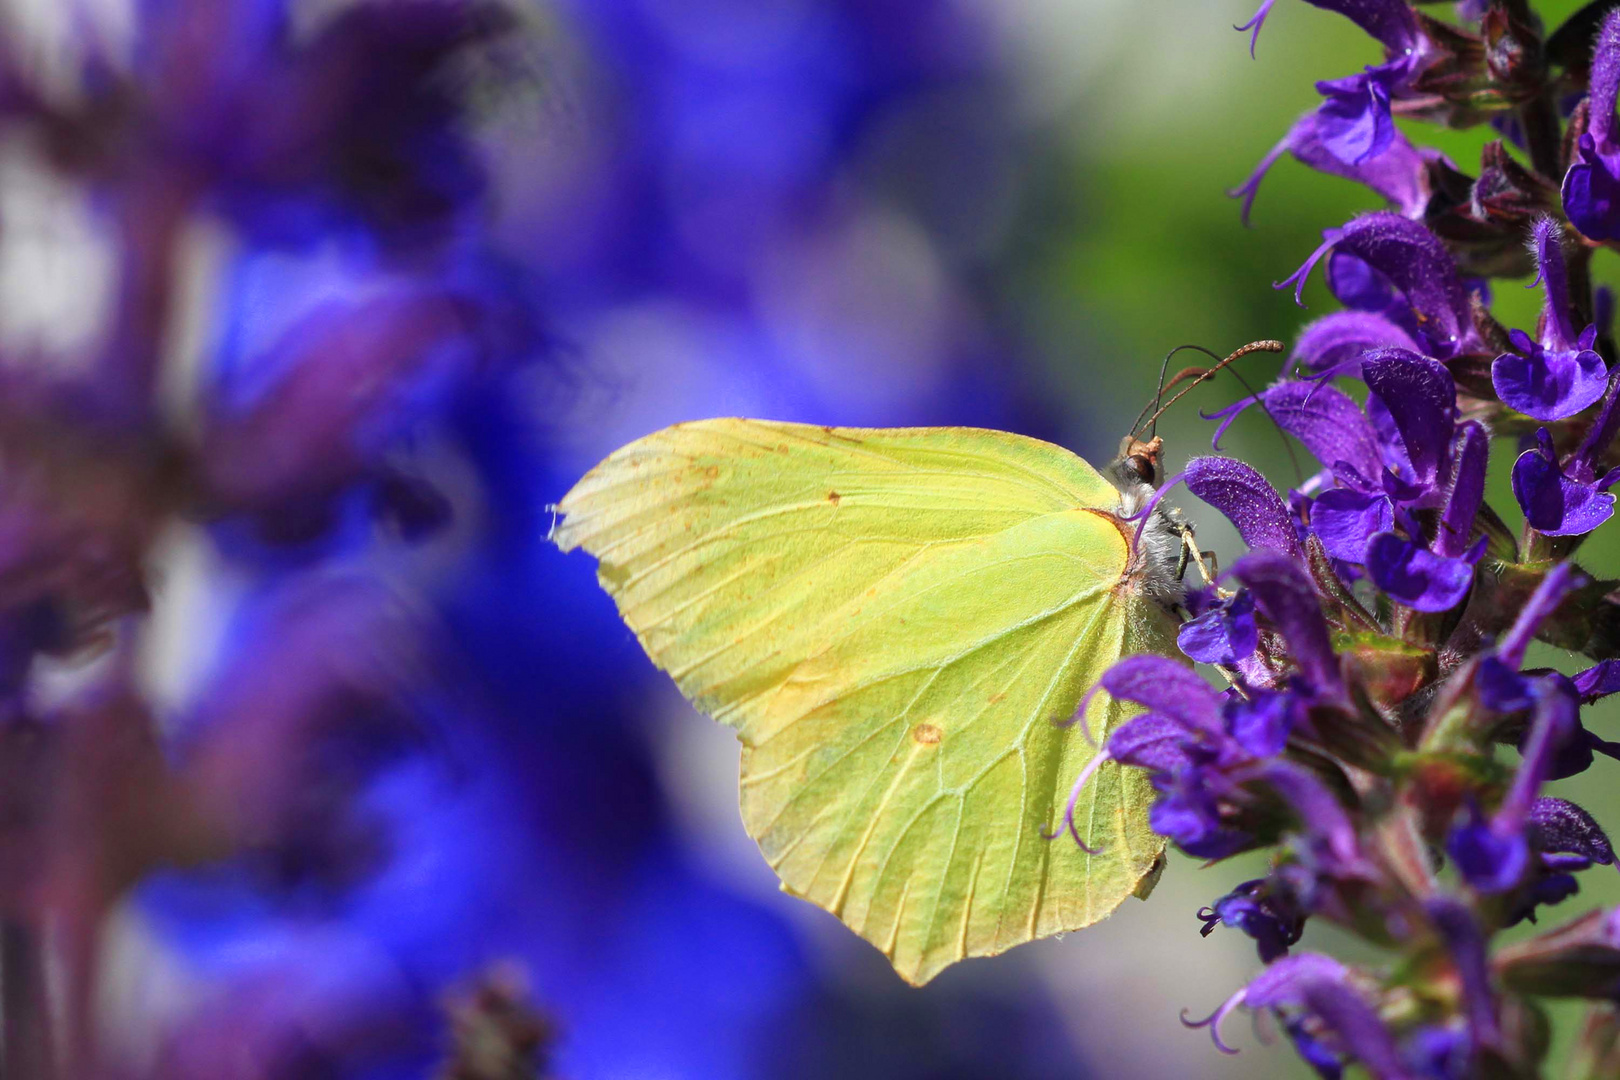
x,y
1190,553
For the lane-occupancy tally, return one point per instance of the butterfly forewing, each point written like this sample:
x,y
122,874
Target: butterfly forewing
x,y
892,620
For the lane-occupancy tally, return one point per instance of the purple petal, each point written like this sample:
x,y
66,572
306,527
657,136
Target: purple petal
x,y
1354,123
1318,809
1150,741
1415,262
1591,192
1364,1035
1256,21
1548,240
1224,634
1282,983
1500,686
1416,577
1342,337
1261,726
1553,503
1400,173
1556,718
1246,499
1490,861
1604,81
1391,22
1467,489
1284,594
1599,680
1558,825
1345,521
1163,686
1422,401
1550,385
1329,423
1359,287
1465,941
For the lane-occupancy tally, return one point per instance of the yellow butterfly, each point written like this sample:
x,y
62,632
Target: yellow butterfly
x,y
899,623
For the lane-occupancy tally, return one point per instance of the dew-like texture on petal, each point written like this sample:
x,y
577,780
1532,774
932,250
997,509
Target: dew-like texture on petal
x,y
1284,594
1247,499
1552,502
1550,385
1340,338
1346,521
1558,825
1421,399
1416,577
1329,423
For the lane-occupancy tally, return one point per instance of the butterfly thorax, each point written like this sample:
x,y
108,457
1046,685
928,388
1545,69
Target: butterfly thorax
x,y
1157,564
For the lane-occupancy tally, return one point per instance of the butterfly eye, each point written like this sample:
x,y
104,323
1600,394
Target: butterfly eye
x,y
1141,466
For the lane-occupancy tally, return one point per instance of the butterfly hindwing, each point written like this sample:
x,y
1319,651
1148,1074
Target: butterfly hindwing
x,y
892,619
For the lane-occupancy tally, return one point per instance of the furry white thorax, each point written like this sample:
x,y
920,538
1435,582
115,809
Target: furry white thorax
x,y
1158,555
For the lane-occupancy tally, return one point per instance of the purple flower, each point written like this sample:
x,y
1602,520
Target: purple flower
x,y
1591,189
1336,341
1354,123
1399,172
1560,375
1599,680
1222,630
1561,500
1415,576
1465,941
1416,264
1246,499
1322,988
1493,853
1265,909
1284,594
1346,520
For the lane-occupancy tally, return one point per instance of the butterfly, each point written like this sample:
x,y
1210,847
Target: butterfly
x,y
899,624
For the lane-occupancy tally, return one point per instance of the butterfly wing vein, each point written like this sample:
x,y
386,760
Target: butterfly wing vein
x,y
892,620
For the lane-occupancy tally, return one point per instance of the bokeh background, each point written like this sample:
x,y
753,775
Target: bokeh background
x,y
862,212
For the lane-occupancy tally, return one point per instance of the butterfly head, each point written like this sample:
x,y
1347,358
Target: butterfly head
x,y
1138,470
1139,462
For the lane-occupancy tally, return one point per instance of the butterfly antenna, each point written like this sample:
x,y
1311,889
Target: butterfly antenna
x,y
1159,394
1200,375
1158,397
